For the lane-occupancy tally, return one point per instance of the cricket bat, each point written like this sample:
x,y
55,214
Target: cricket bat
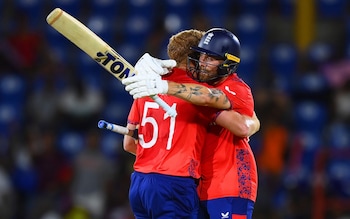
x,y
97,49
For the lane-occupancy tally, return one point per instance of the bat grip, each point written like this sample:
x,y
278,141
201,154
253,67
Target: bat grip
x,y
170,111
113,127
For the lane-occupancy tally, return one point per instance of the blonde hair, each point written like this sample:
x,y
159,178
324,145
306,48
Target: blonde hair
x,y
180,44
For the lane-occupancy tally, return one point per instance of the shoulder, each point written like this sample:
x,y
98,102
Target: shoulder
x,y
233,82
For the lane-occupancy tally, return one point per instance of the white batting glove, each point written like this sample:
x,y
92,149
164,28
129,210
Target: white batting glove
x,y
149,64
145,84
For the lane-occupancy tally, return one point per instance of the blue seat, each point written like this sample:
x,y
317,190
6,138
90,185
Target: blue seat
x,y
339,136
70,142
176,22
11,117
13,88
320,52
311,143
250,29
283,59
310,83
310,115
25,179
102,26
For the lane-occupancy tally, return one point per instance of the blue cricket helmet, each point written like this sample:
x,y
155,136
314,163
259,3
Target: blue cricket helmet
x,y
221,44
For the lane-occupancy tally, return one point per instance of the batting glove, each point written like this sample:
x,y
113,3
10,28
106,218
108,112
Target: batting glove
x,y
145,84
149,64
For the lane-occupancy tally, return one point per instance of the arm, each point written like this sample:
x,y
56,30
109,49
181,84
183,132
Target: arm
x,y
240,125
130,143
148,83
199,95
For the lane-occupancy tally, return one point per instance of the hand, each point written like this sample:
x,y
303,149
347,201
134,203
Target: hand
x,y
145,84
148,64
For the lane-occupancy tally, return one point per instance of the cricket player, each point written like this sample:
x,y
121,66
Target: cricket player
x,y
228,185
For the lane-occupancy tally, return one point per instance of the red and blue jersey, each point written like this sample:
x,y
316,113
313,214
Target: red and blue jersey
x,y
228,163
168,145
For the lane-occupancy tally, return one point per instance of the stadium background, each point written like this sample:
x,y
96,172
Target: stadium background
x,y
55,162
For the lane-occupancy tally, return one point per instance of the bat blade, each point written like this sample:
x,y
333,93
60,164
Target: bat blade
x,y
90,43
96,48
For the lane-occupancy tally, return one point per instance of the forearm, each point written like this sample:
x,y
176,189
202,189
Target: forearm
x,y
199,95
253,124
129,142
240,125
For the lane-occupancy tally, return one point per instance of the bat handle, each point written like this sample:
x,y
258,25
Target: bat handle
x,y
170,111
113,127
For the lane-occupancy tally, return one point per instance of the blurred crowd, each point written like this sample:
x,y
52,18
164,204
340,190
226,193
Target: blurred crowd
x,y
56,164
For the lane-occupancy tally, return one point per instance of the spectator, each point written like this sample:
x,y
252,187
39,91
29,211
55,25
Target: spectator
x,y
92,173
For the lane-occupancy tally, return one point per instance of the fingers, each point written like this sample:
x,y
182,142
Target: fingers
x,y
140,95
135,85
137,78
139,90
150,65
130,80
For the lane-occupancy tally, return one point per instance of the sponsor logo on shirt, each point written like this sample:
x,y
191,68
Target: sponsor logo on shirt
x,y
228,90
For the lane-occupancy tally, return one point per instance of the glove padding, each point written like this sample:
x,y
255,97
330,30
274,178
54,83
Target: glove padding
x,y
148,64
145,84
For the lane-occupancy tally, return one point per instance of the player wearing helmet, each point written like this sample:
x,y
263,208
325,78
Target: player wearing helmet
x,y
229,183
228,186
